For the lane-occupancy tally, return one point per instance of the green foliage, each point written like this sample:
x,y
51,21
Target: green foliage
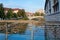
x,y
21,13
24,15
25,18
15,15
42,14
9,14
2,14
37,14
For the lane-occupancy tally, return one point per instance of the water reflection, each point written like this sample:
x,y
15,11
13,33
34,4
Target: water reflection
x,y
22,31
19,28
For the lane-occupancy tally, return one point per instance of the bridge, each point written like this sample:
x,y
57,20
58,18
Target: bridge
x,y
32,17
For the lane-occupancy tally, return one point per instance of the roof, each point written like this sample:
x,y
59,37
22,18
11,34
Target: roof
x,y
6,8
12,9
15,9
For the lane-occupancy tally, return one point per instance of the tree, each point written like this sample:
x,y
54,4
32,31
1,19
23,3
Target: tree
x,y
42,14
24,15
9,14
37,14
15,15
19,13
2,14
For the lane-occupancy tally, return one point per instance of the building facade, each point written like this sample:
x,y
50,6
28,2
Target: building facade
x,y
15,10
52,17
28,14
40,11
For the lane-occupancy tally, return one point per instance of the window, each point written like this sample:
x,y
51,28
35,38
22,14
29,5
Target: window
x,y
55,1
56,6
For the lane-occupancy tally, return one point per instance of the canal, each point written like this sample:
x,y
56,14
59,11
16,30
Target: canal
x,y
22,31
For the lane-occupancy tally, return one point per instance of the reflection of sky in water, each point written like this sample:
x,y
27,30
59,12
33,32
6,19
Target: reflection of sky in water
x,y
38,34
2,36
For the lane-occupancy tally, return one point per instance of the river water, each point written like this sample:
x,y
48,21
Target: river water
x,y
32,32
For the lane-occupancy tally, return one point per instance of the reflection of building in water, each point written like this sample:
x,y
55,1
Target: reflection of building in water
x,y
52,10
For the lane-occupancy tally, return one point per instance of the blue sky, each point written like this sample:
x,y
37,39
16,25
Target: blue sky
x,y
28,5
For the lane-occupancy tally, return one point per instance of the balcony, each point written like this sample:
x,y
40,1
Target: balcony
x,y
53,17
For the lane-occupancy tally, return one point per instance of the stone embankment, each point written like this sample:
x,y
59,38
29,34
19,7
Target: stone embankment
x,y
22,21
